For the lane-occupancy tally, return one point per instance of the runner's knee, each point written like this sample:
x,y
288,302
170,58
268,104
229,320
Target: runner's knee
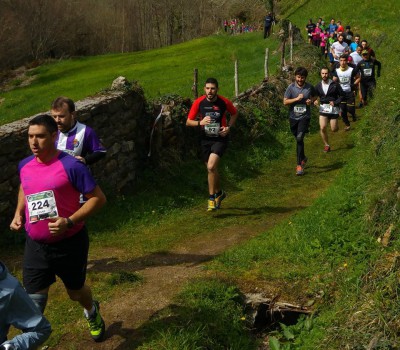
x,y
40,301
300,136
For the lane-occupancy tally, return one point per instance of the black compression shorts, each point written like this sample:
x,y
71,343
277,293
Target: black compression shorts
x,y
209,146
66,259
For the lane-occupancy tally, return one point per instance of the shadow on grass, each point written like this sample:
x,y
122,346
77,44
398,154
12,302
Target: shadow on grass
x,y
327,168
237,211
174,319
155,259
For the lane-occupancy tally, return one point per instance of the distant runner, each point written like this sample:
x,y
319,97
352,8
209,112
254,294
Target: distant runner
x,y
330,96
338,48
299,96
208,112
366,67
348,79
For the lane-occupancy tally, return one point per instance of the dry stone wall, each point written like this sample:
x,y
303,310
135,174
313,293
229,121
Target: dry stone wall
x,y
119,119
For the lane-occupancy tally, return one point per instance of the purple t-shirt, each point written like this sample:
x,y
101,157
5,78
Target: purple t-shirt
x,y
79,141
50,188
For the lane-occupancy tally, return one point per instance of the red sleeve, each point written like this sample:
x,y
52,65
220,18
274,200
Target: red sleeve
x,y
194,110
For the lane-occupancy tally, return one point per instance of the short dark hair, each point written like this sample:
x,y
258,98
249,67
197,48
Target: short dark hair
x,y
45,120
324,68
212,81
346,56
60,101
301,71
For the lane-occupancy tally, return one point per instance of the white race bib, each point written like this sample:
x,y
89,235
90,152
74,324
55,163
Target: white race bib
x,y
368,72
344,80
70,152
212,129
41,206
328,109
300,109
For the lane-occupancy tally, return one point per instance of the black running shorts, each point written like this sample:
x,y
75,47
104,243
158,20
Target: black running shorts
x,y
298,126
66,259
210,146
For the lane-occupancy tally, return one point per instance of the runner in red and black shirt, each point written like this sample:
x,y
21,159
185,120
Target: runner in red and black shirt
x,y
209,113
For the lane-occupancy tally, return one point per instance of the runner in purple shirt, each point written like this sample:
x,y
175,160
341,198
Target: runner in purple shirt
x,y
73,137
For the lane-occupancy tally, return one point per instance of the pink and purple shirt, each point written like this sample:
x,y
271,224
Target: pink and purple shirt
x,y
67,177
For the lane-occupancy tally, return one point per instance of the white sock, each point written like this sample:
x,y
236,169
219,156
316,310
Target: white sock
x,y
90,312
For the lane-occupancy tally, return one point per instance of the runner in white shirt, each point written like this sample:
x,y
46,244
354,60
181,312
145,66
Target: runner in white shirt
x,y
338,48
348,79
356,55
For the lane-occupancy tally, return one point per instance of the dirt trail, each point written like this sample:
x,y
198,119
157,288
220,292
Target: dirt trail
x,y
277,194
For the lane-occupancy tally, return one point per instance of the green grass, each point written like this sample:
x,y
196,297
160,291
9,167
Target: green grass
x,y
326,254
329,253
207,315
168,70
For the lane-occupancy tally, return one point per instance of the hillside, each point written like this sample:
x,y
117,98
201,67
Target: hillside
x,y
314,240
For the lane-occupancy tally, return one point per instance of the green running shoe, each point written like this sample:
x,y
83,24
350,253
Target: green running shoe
x,y
96,323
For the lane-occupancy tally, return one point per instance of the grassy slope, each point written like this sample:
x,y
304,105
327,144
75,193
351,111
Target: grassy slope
x,y
330,246
330,253
164,71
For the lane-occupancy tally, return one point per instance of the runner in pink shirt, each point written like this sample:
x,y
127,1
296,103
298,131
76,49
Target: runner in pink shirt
x,y
57,241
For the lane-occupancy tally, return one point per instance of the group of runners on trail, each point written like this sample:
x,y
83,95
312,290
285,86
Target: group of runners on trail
x,y
58,192
334,96
352,70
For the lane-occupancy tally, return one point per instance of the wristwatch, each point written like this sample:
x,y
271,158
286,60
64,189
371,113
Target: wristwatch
x,y
70,223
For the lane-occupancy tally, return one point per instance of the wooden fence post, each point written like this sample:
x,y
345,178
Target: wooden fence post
x,y
236,78
291,41
266,63
283,53
195,83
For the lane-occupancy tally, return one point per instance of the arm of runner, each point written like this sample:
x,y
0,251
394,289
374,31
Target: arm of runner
x,y
289,101
96,200
25,316
379,65
357,79
204,121
17,222
93,157
226,129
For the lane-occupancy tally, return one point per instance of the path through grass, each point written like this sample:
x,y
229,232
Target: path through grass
x,y
167,253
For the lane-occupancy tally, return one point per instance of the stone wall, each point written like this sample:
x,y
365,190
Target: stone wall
x,y
118,117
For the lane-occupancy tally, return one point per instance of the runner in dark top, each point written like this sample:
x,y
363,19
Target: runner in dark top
x,y
310,29
299,96
269,19
366,68
330,96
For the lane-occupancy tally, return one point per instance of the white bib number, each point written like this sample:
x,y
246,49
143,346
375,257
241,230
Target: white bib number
x,y
70,152
368,72
328,109
41,206
212,129
300,109
344,80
